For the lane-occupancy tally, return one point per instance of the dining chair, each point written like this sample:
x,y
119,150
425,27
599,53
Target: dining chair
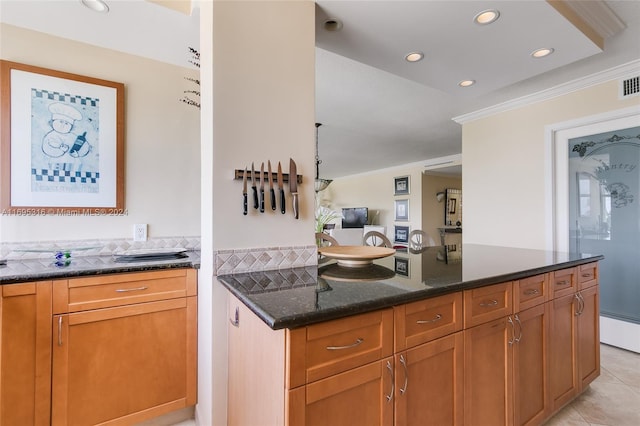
x,y
325,240
419,239
375,238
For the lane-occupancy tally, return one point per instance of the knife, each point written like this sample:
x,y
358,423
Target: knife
x,y
272,192
281,188
293,186
254,187
262,187
244,192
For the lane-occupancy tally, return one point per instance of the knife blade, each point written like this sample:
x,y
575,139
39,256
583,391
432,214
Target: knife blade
x,y
262,187
293,186
254,187
272,192
281,189
244,192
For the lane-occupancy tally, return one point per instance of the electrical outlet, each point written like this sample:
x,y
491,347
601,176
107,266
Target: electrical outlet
x,y
140,232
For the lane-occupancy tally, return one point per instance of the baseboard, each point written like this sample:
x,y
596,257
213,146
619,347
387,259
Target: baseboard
x,y
622,334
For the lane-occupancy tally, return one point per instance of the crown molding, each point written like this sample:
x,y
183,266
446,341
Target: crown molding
x,y
621,71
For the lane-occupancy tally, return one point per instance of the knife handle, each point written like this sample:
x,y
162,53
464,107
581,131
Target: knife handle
x,y
244,204
294,199
255,197
282,203
261,200
272,197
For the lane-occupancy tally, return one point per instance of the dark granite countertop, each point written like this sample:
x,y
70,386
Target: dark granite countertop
x,y
16,271
298,297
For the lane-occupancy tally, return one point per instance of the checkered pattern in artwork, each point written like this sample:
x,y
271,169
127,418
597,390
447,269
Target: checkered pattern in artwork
x,y
48,175
64,97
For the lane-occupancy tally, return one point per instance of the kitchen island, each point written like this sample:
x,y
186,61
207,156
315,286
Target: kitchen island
x,y
446,335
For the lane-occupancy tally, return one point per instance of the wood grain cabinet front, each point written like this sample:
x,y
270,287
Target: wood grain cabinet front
x,y
25,354
129,362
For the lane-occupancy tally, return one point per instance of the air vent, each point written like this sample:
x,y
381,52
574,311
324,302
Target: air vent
x,y
629,87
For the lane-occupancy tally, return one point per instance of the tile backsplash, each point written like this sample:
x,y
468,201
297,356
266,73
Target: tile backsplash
x,y
263,259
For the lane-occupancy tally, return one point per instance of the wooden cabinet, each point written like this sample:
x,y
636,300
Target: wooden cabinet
x,y
575,352
125,358
25,353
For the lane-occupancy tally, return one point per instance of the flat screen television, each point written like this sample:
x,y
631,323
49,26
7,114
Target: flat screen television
x,y
355,217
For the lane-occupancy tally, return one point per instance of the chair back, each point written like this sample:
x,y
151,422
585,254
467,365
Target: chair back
x,y
375,238
325,240
419,239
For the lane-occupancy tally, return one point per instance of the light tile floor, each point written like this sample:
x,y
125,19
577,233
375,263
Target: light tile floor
x,y
613,399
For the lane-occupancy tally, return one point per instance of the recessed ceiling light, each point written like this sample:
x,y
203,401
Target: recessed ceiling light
x,y
486,17
541,53
96,5
332,25
466,83
414,57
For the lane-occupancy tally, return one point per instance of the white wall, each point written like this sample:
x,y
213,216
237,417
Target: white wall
x,y
162,141
375,190
507,167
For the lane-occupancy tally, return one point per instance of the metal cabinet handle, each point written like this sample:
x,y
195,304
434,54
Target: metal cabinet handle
x,y
586,275
493,302
563,282
438,317
60,331
513,331
531,291
235,321
519,329
403,361
580,300
358,341
393,386
124,290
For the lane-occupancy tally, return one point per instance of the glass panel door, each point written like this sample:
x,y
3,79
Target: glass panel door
x,y
604,214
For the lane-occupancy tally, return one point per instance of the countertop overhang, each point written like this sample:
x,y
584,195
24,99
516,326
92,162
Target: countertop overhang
x,y
297,297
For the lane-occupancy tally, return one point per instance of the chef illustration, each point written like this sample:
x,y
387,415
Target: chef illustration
x,y
60,140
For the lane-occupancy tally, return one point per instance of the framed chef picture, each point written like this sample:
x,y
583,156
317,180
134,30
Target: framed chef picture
x,y
401,185
402,210
401,234
62,142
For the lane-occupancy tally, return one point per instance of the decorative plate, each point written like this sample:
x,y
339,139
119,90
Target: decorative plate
x,y
355,256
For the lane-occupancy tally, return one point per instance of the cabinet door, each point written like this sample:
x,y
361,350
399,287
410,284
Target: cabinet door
x,y
25,354
487,374
563,383
530,365
429,383
588,336
363,396
125,364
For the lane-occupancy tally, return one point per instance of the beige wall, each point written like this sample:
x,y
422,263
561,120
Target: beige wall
x,y
162,142
507,167
375,191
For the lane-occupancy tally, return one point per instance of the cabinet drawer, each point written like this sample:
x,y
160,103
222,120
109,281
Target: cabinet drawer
x,y
530,292
425,320
588,275
485,304
563,282
80,294
339,345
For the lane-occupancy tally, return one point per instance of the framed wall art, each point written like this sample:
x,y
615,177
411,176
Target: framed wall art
x,y
401,234
401,185
402,210
401,266
62,142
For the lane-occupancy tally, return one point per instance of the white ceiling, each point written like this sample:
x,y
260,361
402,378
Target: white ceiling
x,y
377,110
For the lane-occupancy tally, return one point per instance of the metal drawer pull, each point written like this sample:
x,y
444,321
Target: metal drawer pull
x,y
531,291
403,361
393,386
586,275
59,331
493,302
353,345
236,320
124,290
438,317
563,282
